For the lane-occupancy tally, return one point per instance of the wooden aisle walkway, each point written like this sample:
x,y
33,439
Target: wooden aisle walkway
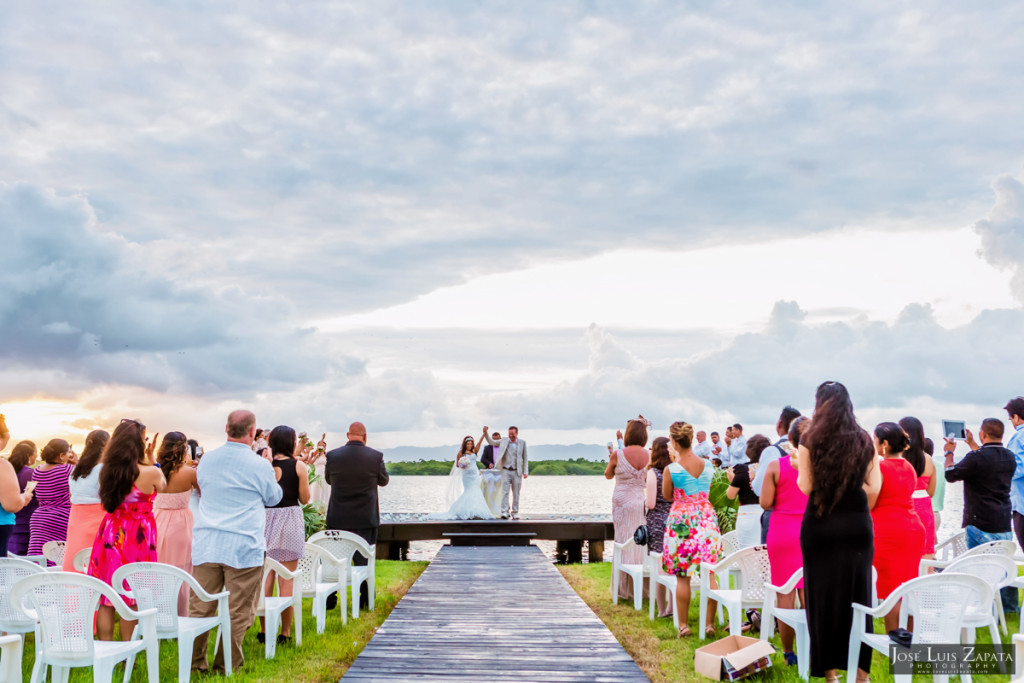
x,y
493,614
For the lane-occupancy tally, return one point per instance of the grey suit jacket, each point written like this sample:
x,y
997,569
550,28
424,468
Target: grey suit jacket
x,y
501,450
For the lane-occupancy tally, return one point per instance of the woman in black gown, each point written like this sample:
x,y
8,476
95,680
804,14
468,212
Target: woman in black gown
x,y
837,469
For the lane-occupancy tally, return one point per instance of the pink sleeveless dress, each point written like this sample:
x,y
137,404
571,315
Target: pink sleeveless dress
x,y
128,534
923,505
174,536
629,511
784,526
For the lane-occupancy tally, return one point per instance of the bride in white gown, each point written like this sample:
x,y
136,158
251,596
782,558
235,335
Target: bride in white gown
x,y
465,498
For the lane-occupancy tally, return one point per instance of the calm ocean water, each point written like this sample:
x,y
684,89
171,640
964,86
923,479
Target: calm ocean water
x,y
559,495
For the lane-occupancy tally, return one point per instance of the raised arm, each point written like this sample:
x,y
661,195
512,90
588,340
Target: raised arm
x,y
804,479
613,460
303,474
11,497
267,484
488,439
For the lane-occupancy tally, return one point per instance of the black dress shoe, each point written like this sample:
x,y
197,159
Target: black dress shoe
x,y
332,601
261,638
283,639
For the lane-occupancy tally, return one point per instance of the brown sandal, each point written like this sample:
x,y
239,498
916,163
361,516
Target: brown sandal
x,y
684,632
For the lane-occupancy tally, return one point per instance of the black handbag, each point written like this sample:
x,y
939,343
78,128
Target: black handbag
x,y
640,535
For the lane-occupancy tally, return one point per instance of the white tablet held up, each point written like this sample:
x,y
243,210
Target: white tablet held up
x,y
954,429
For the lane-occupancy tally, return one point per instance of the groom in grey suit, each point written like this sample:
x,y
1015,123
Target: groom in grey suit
x,y
510,458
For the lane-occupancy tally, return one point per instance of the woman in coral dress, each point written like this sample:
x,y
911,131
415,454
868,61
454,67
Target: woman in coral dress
x,y
86,510
692,535
171,509
628,466
925,484
781,494
899,534
128,483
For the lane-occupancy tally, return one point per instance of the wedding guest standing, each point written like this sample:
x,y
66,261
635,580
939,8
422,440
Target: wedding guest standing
x,y
783,498
128,482
50,519
987,472
899,533
1015,412
692,535
628,467
837,471
12,499
925,481
657,511
86,510
285,530
23,457
748,516
171,509
228,542
355,471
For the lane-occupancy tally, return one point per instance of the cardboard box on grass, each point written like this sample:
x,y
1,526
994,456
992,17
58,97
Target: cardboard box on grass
x,y
733,657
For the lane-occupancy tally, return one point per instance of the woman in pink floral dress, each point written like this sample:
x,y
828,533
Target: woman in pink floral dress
x,y
692,535
128,483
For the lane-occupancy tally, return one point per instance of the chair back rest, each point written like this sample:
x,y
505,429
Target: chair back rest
x,y
1008,548
953,547
756,571
80,562
731,543
65,604
937,603
11,571
309,566
996,570
152,585
343,545
272,566
54,552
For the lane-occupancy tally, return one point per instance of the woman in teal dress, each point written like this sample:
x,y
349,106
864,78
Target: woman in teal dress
x,y
692,535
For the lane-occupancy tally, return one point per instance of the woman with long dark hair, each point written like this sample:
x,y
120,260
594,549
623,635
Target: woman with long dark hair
x,y
23,457
50,520
285,530
838,472
84,485
657,512
128,482
170,509
925,483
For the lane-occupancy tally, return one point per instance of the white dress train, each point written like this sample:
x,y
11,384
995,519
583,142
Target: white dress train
x,y
465,497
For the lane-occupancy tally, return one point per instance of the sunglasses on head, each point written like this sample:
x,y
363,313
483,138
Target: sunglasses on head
x,y
128,419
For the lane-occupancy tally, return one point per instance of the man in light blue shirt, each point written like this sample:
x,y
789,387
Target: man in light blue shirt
x,y
1015,409
228,544
736,445
702,449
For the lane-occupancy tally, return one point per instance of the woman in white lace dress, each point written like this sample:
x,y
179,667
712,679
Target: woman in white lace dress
x,y
465,498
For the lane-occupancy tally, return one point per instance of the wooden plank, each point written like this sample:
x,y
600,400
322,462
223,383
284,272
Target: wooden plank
x,y
493,614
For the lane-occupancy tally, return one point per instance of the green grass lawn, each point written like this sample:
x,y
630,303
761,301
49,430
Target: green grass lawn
x,y
321,658
664,658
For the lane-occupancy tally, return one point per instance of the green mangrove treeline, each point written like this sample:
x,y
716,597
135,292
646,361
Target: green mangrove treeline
x,y
537,467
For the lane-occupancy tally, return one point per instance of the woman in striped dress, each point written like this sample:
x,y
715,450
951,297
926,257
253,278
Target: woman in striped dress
x,y
50,520
628,467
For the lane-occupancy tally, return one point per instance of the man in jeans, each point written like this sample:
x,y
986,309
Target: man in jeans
x,y
228,544
986,473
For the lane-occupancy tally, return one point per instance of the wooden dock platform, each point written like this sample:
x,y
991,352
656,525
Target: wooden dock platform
x,y
493,614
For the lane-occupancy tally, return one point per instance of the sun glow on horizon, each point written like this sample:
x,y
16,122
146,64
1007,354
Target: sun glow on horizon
x,y
40,420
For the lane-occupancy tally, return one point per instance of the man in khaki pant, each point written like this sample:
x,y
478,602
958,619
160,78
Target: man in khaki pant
x,y
228,545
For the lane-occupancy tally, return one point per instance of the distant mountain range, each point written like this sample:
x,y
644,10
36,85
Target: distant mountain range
x,y
538,452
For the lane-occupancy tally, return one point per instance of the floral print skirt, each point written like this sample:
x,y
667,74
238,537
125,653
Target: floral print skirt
x,y
691,534
126,535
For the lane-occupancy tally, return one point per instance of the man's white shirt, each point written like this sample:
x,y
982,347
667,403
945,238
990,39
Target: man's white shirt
x,y
703,450
737,452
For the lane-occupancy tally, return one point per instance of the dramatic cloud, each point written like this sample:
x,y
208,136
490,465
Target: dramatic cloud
x,y
1002,233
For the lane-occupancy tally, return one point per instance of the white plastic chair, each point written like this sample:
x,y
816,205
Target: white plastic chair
x,y
952,547
731,542
80,562
54,552
1007,548
937,603
35,559
12,570
637,572
312,586
343,545
153,585
1018,656
272,608
998,571
10,657
64,603
660,578
795,618
755,572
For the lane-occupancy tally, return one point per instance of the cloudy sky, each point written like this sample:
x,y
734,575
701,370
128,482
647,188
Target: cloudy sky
x,y
431,217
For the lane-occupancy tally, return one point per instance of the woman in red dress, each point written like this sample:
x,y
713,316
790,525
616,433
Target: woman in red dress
x,y
899,534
